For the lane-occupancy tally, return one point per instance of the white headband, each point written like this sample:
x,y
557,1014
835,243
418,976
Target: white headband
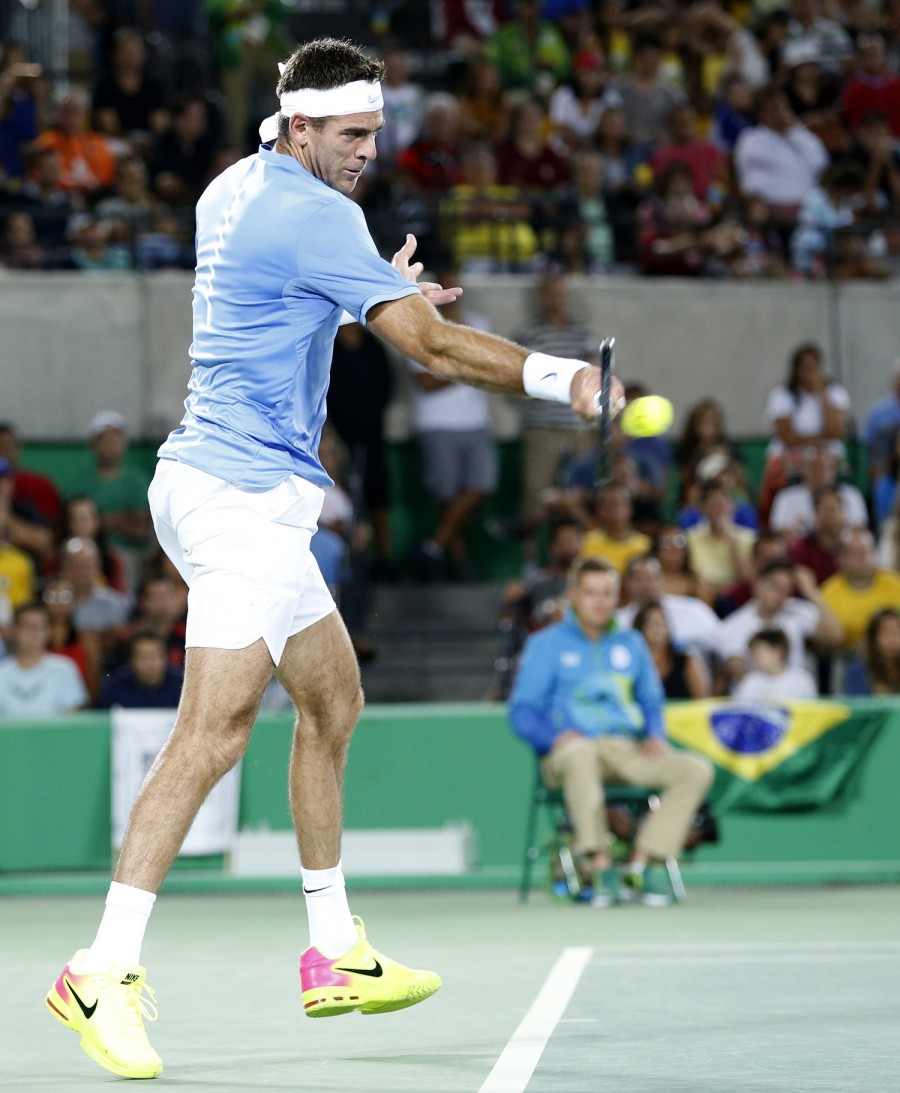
x,y
358,97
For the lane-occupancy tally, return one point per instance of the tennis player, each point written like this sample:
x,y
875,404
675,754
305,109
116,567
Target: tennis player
x,y
282,252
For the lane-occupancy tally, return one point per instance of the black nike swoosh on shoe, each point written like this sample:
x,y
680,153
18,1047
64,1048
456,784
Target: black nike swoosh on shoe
x,y
88,1011
375,972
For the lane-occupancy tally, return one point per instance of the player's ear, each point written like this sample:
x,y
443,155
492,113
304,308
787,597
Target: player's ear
x,y
300,128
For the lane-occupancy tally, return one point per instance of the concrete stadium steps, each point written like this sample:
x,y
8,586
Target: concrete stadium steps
x,y
436,643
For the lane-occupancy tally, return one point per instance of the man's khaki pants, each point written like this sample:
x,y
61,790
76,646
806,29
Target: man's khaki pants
x,y
580,767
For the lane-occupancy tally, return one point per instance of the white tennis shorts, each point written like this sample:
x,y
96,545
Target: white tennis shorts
x,y
244,555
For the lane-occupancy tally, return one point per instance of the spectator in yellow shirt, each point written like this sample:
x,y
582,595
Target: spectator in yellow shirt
x,y
615,539
859,589
16,567
720,553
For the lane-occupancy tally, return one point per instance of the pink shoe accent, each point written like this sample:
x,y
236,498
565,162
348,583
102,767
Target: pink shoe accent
x,y
62,988
317,970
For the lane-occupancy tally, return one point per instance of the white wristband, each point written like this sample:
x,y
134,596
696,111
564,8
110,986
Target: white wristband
x,y
550,378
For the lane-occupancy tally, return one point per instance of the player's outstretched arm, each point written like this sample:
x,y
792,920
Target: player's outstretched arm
x,y
413,326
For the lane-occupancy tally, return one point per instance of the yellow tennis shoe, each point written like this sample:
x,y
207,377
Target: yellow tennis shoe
x,y
108,1010
362,979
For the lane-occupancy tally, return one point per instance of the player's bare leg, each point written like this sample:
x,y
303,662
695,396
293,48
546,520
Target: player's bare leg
x,y
339,973
102,993
219,702
319,671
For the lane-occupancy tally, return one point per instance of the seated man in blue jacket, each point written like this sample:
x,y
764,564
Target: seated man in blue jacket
x,y
588,699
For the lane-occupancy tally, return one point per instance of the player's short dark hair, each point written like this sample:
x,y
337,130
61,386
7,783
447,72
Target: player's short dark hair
x,y
322,64
774,638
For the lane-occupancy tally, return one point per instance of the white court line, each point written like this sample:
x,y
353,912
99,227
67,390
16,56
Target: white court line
x,y
512,1071
760,959
730,947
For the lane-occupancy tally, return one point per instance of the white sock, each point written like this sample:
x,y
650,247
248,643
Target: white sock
x,y
121,932
331,927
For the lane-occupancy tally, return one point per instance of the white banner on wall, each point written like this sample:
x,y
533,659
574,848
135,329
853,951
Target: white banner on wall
x,y
137,736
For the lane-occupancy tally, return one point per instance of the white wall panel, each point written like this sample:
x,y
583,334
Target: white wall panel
x,y
71,344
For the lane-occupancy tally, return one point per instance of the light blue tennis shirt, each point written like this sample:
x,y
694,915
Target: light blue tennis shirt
x,y
279,256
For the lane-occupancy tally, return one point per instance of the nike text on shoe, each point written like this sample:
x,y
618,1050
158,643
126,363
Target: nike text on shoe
x,y
108,1010
362,979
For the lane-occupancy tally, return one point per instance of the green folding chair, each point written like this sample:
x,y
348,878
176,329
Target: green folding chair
x,y
549,803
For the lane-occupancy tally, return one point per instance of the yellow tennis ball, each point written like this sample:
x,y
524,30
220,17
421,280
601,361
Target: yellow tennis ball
x,y
647,416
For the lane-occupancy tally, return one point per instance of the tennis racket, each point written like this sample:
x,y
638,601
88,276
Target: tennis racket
x,y
604,420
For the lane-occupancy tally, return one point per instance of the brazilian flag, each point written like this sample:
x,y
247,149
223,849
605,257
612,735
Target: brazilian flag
x,y
774,756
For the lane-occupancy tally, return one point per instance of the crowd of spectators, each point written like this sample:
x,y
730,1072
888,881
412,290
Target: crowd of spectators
x,y
788,590
678,138
784,581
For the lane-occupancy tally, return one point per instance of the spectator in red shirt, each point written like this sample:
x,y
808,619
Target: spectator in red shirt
x,y
29,488
685,146
873,88
527,160
433,162
818,549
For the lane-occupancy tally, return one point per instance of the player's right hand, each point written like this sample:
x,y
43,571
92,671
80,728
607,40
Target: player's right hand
x,y
585,398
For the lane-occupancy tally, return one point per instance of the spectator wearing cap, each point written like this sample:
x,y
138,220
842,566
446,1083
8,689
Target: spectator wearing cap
x,y
576,107
873,88
92,251
119,491
720,467
87,163
812,95
33,681
832,44
778,159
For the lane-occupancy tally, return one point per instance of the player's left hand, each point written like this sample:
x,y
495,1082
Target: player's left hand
x,y
586,389
436,293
